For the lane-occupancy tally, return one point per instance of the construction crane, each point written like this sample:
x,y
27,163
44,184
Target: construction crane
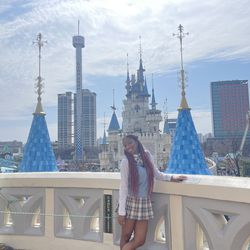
x,y
233,162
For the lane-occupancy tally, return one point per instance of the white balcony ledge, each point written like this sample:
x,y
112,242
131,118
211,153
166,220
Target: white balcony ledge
x,y
66,211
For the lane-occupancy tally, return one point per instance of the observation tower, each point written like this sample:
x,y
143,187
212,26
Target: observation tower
x,y
78,43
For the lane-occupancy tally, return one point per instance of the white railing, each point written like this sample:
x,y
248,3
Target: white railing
x,y
76,211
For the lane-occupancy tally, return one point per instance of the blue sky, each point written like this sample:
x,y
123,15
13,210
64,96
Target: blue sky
x,y
217,48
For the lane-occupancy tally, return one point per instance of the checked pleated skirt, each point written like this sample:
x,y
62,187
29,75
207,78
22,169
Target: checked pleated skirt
x,y
139,208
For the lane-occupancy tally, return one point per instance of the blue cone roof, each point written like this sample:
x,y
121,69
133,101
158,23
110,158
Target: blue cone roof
x,y
104,139
38,153
186,155
114,125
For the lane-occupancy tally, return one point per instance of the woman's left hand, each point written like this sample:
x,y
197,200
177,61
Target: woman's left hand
x,y
178,178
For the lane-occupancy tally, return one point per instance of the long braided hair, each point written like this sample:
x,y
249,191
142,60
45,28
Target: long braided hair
x,y
133,173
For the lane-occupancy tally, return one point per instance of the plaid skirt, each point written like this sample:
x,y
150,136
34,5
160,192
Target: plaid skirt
x,y
138,208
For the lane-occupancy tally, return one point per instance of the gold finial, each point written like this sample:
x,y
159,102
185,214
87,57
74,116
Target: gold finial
x,y
39,85
184,104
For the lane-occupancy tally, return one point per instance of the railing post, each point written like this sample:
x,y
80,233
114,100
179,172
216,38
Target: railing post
x,y
176,222
49,211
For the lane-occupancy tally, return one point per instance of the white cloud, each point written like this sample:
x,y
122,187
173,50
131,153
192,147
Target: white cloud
x,y
111,29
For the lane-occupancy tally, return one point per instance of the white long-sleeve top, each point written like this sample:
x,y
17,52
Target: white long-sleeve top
x,y
123,191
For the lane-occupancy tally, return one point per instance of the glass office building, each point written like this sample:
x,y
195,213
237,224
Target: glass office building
x,y
230,104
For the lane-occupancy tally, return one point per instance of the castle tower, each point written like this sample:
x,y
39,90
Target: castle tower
x,y
153,117
38,153
136,104
78,43
138,119
186,156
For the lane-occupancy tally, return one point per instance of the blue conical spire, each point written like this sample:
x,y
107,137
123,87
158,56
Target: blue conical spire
x,y
104,139
38,153
114,124
186,156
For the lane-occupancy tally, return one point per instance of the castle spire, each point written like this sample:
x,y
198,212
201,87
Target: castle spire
x,y
113,107
38,155
104,139
140,77
190,160
39,84
128,86
184,104
140,52
153,103
114,124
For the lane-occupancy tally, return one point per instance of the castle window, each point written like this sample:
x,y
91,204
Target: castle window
x,y
137,108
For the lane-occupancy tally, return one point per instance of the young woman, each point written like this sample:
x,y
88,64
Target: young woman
x,y
137,180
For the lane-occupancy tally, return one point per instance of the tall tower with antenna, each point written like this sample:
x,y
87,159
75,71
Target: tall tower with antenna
x,y
38,153
78,43
186,156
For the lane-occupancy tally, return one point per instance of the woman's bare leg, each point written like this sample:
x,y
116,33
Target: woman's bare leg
x,y
140,233
127,230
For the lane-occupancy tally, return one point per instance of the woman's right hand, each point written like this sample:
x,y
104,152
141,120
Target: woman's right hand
x,y
121,219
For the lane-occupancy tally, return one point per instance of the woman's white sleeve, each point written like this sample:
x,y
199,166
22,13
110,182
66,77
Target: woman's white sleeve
x,y
157,173
123,191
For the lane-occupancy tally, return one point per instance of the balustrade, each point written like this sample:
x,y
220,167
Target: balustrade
x,y
77,211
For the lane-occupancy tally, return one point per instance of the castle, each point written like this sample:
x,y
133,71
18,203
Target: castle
x,y
138,118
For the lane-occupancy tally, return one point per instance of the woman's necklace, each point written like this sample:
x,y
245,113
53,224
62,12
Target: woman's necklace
x,y
138,159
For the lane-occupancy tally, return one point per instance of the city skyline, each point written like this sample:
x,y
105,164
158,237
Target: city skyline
x,y
216,49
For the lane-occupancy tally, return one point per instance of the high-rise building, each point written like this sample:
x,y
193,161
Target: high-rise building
x,y
230,104
88,122
65,120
